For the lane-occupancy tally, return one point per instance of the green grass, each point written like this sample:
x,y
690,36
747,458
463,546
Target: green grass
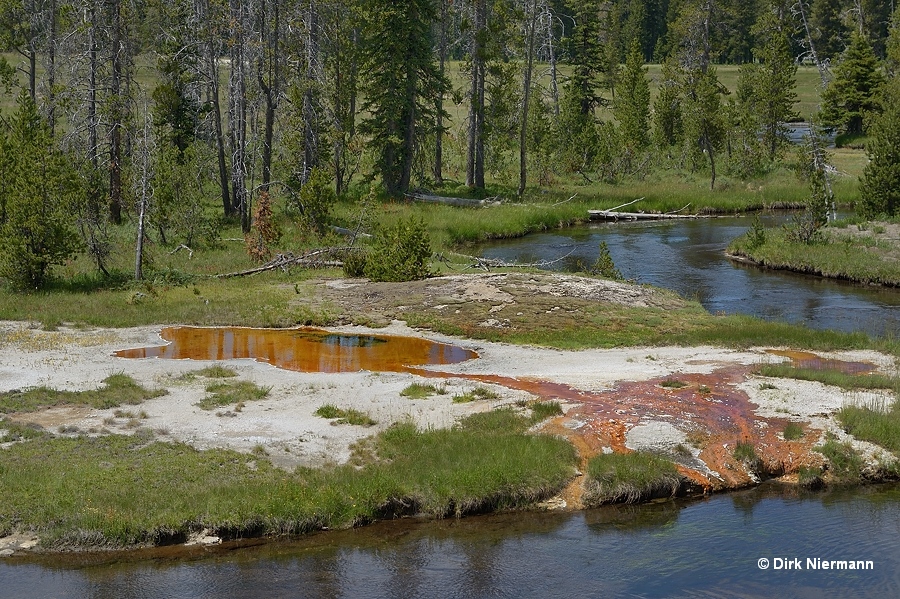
x,y
744,451
420,391
216,372
792,432
858,258
876,423
673,384
13,431
845,462
629,478
344,416
120,491
117,389
476,394
831,377
541,410
228,393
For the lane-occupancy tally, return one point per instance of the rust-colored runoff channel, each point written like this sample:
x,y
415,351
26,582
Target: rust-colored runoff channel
x,y
304,350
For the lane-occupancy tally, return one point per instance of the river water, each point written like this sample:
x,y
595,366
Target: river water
x,y
688,257
699,548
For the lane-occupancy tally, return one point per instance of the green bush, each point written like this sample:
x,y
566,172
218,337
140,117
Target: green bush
x,y
315,199
400,252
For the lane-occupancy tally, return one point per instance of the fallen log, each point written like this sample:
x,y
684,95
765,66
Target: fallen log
x,y
465,202
323,258
609,215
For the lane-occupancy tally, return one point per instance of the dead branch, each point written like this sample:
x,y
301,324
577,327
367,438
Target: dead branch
x,y
488,263
183,247
623,205
679,210
322,258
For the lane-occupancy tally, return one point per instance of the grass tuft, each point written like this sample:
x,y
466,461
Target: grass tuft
x,y
673,384
629,478
541,410
845,462
119,491
420,391
832,377
476,394
792,431
342,416
117,389
229,393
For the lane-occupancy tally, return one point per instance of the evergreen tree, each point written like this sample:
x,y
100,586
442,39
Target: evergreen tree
x,y
39,187
632,105
586,54
892,46
829,31
401,80
774,80
853,93
880,187
668,125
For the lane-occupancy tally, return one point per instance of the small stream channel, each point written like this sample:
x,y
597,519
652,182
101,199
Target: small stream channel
x,y
687,256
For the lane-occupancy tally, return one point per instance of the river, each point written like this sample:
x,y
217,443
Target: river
x,y
687,256
687,548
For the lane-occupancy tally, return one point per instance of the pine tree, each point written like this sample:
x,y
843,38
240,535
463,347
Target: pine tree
x,y
401,80
586,54
853,93
880,187
830,33
39,187
775,80
668,125
632,105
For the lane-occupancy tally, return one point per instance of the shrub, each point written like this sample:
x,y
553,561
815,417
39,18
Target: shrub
x,y
315,200
400,253
604,266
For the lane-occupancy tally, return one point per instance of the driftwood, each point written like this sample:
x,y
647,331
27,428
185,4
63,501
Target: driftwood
x,y
322,258
609,215
488,263
614,215
465,202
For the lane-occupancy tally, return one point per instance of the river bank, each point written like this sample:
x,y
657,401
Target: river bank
x,y
699,406
866,253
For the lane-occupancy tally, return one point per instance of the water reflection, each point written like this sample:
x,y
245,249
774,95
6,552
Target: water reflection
x,y
705,548
305,350
688,257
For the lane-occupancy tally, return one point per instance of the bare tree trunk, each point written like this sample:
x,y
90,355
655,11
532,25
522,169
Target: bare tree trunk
x,y
310,127
475,162
269,65
51,69
531,25
116,116
237,93
93,139
554,85
145,199
439,105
